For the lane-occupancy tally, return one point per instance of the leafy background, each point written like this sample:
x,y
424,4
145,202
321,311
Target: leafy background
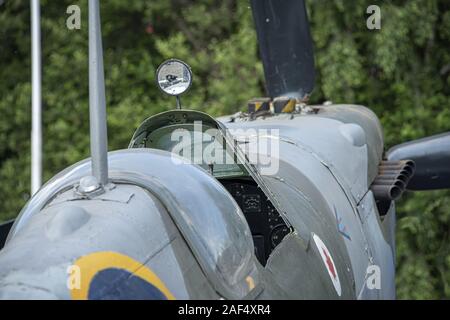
x,y
402,72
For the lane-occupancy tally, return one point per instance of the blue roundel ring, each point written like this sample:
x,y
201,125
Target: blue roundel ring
x,y
119,284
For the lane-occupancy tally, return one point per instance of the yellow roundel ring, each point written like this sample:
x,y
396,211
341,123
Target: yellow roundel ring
x,y
90,266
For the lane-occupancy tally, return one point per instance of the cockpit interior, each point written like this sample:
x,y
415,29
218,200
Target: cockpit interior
x,y
266,224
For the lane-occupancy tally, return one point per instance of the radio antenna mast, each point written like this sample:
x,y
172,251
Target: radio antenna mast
x,y
97,104
36,98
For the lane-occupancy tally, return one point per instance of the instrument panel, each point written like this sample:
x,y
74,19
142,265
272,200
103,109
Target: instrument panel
x,y
267,227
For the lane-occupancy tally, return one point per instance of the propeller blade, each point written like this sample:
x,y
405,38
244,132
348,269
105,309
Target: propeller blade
x,y
432,158
286,47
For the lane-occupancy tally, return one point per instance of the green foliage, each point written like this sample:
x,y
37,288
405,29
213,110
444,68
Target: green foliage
x,y
402,72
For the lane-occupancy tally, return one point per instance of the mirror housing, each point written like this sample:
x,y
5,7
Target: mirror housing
x,y
174,77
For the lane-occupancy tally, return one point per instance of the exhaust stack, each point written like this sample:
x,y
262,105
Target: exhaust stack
x,y
392,179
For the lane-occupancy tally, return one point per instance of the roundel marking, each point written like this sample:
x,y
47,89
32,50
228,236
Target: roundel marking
x,y
329,263
111,275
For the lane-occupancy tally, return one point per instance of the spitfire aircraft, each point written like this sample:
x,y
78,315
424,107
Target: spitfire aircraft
x,y
302,208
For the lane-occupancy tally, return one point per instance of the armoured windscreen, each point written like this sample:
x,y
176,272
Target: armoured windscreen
x,y
196,139
200,145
